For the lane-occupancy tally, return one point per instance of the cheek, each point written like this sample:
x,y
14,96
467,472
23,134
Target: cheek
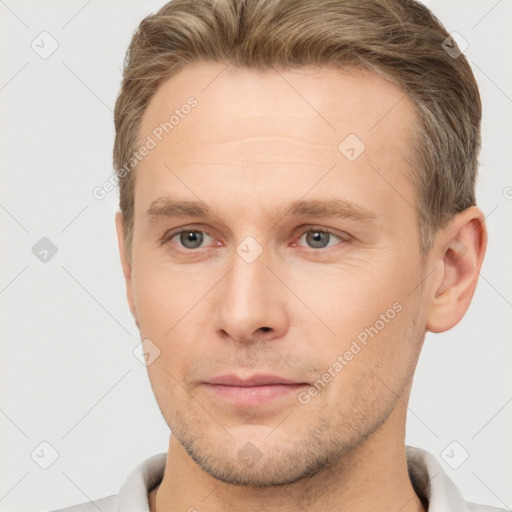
x,y
372,317
347,298
172,306
163,296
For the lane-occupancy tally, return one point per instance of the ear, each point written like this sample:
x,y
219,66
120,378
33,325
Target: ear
x,y
459,251
126,264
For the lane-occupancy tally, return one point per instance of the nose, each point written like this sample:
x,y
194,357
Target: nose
x,y
252,303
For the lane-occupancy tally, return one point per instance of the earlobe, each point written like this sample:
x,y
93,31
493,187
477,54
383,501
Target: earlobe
x,y
460,251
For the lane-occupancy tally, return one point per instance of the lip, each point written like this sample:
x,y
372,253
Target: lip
x,y
254,391
260,379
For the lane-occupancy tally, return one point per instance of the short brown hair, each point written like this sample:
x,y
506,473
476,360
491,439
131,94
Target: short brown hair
x,y
401,39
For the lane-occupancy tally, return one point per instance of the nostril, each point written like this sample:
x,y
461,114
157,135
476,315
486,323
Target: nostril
x,y
265,329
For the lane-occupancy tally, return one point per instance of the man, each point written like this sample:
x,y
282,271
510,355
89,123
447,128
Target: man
x,y
297,211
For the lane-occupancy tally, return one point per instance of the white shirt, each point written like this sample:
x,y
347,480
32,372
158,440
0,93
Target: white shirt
x,y
428,478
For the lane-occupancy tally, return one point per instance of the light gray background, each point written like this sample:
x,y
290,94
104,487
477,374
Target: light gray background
x,y
69,376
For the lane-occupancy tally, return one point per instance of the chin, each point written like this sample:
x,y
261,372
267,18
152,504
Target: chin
x,y
259,456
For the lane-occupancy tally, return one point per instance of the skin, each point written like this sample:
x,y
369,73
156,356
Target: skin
x,y
255,143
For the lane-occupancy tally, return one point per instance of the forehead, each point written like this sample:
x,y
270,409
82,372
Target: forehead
x,y
327,99
287,125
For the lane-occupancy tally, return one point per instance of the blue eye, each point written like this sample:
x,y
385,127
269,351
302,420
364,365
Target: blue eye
x,y
192,239
318,239
189,238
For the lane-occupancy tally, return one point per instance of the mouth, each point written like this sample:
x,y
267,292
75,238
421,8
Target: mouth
x,y
254,391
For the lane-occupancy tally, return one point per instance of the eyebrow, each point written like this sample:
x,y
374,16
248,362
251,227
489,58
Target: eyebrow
x,y
330,208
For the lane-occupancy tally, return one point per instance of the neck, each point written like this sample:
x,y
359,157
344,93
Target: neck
x,y
373,476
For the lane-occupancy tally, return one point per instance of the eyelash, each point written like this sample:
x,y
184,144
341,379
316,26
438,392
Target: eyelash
x,y
170,235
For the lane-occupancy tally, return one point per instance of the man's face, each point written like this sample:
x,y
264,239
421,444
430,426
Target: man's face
x,y
305,264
